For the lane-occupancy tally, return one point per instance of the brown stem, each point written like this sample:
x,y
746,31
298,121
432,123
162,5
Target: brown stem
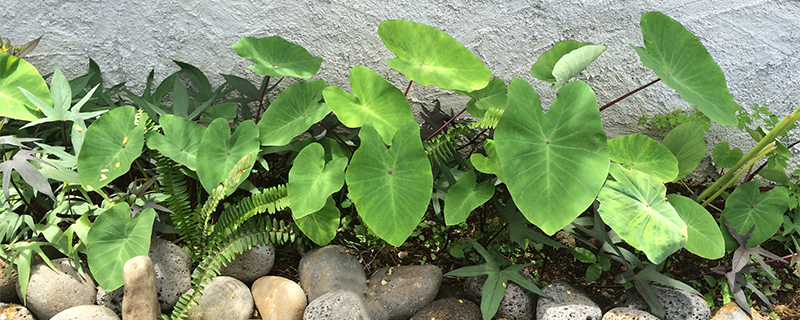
x,y
408,88
337,137
444,125
628,94
261,101
473,140
750,176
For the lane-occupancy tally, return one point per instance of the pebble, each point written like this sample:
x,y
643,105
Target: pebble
x,y
449,309
8,287
623,313
517,301
731,311
337,305
398,292
223,298
678,304
14,311
111,300
250,265
87,312
173,268
330,268
566,303
278,298
50,292
140,300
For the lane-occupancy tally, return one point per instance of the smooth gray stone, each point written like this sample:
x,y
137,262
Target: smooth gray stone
x,y
50,292
678,304
517,303
223,298
566,303
173,272
450,309
250,265
88,312
623,313
330,268
399,292
337,305
12,311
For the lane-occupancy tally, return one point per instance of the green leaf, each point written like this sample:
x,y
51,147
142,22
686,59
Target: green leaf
x,y
220,151
374,101
320,226
489,164
180,141
17,73
391,188
634,206
428,56
705,238
465,196
543,68
116,140
775,172
593,272
312,181
114,238
687,142
724,157
493,96
639,152
571,64
226,110
747,207
276,57
292,113
684,64
547,156
583,255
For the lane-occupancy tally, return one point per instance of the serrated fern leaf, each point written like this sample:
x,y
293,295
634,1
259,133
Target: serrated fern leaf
x,y
219,193
489,119
259,231
268,200
173,185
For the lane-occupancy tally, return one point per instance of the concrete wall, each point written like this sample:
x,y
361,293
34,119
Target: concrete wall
x,y
756,42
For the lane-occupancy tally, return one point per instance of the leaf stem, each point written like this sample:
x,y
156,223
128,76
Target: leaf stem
x,y
261,101
628,94
751,175
337,137
408,88
444,125
763,152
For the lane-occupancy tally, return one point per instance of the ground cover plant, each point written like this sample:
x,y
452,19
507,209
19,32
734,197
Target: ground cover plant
x,y
94,172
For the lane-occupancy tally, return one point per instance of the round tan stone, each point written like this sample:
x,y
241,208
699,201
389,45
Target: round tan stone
x,y
279,298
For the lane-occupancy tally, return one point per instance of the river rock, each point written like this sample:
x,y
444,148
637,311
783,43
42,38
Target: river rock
x,y
678,304
8,287
623,313
337,305
140,300
278,298
398,292
566,303
13,311
87,312
111,300
731,311
449,309
50,292
223,298
173,268
331,268
250,265
517,301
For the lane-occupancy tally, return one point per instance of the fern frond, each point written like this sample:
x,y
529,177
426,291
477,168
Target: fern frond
x,y
440,148
489,119
255,232
269,200
173,185
221,191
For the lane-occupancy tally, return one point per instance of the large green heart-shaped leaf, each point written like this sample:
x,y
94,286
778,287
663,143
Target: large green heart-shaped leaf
x,y
321,225
429,56
465,196
543,68
114,238
312,181
747,207
634,206
705,238
391,188
220,151
374,101
489,164
111,143
495,95
639,152
724,156
571,64
180,141
687,142
292,113
276,57
16,73
684,64
554,164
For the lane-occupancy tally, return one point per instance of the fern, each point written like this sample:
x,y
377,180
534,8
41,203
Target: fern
x,y
440,149
221,191
268,200
489,120
259,231
174,186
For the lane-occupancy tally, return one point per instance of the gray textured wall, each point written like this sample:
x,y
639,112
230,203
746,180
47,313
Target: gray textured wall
x,y
756,42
